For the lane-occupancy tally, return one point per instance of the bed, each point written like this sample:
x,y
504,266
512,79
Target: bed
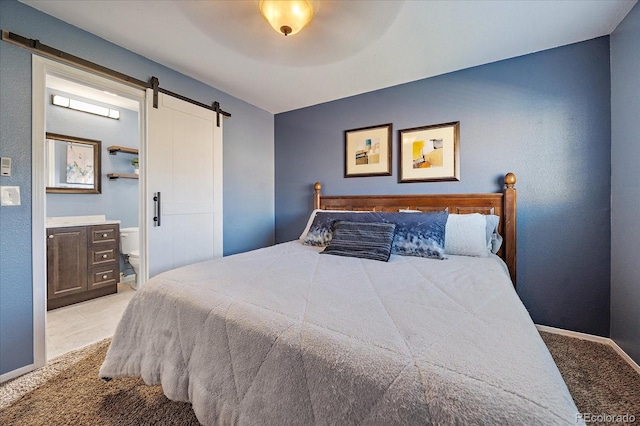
x,y
288,335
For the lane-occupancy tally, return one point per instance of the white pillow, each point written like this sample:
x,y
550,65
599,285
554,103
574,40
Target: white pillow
x,y
494,239
466,235
313,215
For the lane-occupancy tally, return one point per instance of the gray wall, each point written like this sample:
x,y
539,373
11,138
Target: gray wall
x,y
625,184
248,179
545,117
119,198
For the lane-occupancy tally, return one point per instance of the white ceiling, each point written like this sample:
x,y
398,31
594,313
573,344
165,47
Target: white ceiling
x,y
350,47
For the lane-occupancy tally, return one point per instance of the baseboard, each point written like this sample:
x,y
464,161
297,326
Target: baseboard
x,y
17,372
576,334
592,338
624,355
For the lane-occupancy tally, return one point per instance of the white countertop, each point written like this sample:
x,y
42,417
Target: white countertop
x,y
64,221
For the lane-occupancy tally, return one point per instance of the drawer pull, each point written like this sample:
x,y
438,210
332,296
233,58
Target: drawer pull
x,y
105,235
104,277
104,256
51,236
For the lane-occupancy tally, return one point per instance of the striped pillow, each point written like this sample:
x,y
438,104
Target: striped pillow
x,y
364,240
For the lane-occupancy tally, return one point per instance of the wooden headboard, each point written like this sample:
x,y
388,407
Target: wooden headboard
x,y
502,204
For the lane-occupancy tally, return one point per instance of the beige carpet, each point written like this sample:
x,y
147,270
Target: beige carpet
x,y
600,381
76,396
67,391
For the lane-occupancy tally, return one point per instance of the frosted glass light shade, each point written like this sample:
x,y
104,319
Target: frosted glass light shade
x,y
85,107
287,16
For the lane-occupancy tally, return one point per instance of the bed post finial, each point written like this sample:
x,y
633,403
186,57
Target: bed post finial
x,y
316,196
510,180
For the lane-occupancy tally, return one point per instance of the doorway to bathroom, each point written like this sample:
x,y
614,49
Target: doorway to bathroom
x,y
86,167
85,123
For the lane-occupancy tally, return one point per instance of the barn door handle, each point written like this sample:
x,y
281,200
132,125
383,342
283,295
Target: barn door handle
x,y
156,209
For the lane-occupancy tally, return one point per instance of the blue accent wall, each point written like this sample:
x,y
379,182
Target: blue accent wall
x,y
544,116
248,160
119,198
625,184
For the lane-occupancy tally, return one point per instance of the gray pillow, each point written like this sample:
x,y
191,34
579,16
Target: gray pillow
x,y
364,240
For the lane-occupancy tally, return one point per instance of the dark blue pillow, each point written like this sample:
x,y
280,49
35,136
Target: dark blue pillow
x,y
363,240
417,234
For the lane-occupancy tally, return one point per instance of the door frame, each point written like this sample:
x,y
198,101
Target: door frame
x,y
41,67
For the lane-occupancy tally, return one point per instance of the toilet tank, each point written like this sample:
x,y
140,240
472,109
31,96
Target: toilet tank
x,y
129,240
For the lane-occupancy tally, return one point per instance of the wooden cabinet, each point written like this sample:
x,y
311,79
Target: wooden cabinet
x,y
82,263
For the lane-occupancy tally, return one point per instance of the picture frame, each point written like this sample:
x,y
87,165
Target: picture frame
x,y
368,151
430,153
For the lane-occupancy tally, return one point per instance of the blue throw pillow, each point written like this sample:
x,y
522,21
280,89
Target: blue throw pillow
x,y
420,234
417,234
364,240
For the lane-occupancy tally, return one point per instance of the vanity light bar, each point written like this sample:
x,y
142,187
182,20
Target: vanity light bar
x,y
85,107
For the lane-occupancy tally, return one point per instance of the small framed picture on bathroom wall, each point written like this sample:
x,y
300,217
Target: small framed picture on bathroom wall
x,y
368,151
430,153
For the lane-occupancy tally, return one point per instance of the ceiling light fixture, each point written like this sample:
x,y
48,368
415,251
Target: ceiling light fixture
x,y
287,16
85,107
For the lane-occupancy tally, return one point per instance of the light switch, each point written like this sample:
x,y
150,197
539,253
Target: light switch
x,y
5,166
9,195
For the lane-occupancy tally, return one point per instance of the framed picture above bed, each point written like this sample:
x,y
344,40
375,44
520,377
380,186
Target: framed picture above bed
x,y
368,151
430,153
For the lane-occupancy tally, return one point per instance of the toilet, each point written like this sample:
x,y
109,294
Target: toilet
x,y
129,246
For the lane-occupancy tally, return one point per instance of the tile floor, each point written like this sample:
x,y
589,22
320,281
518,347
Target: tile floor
x,y
81,324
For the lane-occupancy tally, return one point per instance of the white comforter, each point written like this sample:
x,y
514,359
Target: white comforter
x,y
285,335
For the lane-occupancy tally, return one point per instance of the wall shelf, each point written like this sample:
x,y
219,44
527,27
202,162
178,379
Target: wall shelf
x,y
113,150
113,176
124,149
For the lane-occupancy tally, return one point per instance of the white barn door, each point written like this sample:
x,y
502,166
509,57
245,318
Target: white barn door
x,y
184,178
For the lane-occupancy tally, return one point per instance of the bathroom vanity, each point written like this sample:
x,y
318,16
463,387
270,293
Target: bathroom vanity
x,y
82,260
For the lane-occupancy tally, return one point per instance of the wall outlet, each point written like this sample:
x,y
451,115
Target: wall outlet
x,y
9,195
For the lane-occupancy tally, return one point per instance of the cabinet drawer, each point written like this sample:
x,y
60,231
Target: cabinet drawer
x,y
101,277
103,234
102,255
